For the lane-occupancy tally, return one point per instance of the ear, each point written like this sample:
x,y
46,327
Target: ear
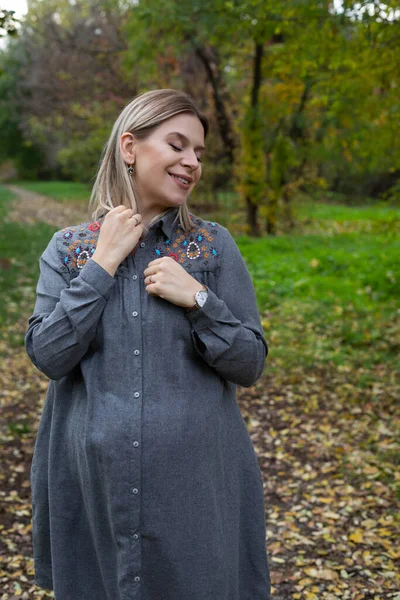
x,y
127,145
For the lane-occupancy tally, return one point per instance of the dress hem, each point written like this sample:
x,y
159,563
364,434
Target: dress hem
x,y
44,583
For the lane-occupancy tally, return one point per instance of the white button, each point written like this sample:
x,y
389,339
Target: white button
x,y
137,578
135,536
136,394
135,490
142,244
134,277
136,352
135,313
136,444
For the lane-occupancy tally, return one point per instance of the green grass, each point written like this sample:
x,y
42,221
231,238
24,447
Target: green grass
x,y
340,212
20,248
325,299
328,299
62,191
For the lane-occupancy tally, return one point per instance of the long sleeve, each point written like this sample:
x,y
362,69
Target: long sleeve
x,y
66,313
227,330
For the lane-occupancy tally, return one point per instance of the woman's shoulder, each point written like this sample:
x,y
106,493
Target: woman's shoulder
x,y
77,243
224,245
210,230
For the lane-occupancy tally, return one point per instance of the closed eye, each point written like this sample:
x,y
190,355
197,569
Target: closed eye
x,y
180,150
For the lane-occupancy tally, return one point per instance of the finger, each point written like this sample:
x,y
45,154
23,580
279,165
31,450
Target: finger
x,y
150,273
128,212
150,285
136,219
155,262
150,269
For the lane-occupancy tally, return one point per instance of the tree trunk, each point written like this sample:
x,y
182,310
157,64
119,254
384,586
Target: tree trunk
x,y
210,62
252,209
252,218
287,212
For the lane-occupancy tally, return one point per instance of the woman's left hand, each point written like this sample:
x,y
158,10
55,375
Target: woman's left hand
x,y
170,281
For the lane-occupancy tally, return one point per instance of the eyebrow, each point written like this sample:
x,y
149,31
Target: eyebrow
x,y
185,139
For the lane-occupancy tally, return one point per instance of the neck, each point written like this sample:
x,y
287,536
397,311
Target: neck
x,y
150,216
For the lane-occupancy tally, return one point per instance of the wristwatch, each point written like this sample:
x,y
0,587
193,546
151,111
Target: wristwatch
x,y
200,298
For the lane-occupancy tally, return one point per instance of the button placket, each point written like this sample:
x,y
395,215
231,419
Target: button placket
x,y
137,265
136,340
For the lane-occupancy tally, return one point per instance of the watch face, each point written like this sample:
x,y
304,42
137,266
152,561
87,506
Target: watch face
x,y
201,297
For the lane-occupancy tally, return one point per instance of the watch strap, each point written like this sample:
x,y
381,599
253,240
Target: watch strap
x,y
195,307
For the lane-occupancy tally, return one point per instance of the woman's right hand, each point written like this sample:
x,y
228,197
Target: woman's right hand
x,y
119,235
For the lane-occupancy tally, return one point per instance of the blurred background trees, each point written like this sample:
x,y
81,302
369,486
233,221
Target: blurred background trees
x,y
303,97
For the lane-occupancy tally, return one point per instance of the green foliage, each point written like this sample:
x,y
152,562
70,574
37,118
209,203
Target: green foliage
x,y
8,23
283,159
328,98
251,169
28,157
80,157
392,195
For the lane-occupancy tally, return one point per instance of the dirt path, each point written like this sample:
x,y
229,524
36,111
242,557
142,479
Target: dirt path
x,y
30,207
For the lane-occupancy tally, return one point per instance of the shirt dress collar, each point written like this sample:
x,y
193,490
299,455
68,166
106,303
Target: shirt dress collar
x,y
167,222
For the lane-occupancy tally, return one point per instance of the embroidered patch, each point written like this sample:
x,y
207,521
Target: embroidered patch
x,y
197,248
80,250
94,226
68,233
192,246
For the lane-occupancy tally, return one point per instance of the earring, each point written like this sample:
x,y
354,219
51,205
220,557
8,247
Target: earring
x,y
130,169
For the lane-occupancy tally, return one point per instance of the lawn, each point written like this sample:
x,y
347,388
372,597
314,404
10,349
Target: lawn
x,y
62,191
325,299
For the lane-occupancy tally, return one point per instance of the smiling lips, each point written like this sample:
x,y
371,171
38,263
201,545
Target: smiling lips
x,y
183,184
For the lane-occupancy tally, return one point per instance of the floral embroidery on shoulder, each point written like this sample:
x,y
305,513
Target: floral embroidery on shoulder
x,y
197,247
80,244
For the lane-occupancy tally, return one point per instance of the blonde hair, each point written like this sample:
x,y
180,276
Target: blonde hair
x,y
113,185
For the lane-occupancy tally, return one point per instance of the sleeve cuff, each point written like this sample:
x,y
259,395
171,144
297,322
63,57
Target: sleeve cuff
x,y
98,278
214,309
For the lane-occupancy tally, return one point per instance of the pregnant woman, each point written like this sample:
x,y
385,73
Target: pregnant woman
x,y
145,482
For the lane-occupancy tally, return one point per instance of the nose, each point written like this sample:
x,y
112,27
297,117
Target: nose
x,y
189,159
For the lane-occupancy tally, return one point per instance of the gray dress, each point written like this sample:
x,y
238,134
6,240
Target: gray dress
x,y
145,482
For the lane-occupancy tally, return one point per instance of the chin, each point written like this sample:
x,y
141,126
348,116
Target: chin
x,y
176,202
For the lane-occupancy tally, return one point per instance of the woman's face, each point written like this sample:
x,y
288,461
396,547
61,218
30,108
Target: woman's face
x,y
174,149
